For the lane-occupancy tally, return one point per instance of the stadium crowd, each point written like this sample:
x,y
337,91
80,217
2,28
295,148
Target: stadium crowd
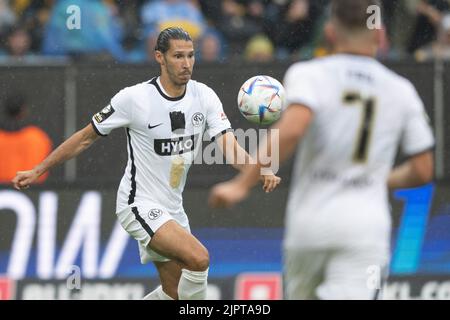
x,y
224,30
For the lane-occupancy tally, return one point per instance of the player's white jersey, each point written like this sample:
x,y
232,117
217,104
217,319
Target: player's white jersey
x,y
362,113
164,134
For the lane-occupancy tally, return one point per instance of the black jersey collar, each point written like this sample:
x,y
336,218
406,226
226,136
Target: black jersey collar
x,y
165,96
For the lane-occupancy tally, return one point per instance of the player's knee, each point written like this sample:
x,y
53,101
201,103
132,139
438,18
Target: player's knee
x,y
199,261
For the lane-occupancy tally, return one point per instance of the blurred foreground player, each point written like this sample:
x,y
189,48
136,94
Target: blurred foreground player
x,y
350,113
165,119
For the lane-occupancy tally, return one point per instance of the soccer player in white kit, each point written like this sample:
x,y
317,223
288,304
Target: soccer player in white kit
x,y
350,113
164,119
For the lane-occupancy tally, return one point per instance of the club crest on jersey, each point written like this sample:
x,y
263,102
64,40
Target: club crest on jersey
x,y
154,214
104,114
197,119
168,147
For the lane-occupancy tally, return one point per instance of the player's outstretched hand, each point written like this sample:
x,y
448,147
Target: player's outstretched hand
x,y
270,182
23,179
227,194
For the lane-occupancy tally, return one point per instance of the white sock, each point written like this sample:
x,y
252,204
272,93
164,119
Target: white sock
x,y
157,294
192,285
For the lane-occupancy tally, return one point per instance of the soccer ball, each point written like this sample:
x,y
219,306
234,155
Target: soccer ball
x,y
261,99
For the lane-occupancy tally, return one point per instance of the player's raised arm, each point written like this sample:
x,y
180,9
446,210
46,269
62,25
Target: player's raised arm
x,y
70,148
241,160
235,155
292,126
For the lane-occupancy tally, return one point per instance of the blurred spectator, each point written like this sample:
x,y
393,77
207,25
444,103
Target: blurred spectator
x,y
126,30
211,47
133,39
7,16
17,46
134,49
33,15
399,19
161,14
296,26
130,13
237,25
439,49
256,11
259,49
211,10
26,7
100,32
23,145
428,17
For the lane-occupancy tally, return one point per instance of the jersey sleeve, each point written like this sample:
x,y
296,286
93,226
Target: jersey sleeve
x,y
117,114
417,135
216,119
300,87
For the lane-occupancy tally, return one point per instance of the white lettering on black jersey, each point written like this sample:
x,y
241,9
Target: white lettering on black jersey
x,y
168,147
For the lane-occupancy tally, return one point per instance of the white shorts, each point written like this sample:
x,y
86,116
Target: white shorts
x,y
334,274
141,222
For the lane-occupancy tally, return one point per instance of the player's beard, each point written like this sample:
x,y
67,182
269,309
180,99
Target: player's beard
x,y
178,79
183,78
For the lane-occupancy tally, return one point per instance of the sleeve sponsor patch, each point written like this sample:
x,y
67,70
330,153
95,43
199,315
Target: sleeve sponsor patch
x,y
104,114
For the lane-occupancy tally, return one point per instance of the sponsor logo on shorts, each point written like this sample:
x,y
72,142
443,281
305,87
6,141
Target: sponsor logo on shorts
x,y
197,119
154,214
